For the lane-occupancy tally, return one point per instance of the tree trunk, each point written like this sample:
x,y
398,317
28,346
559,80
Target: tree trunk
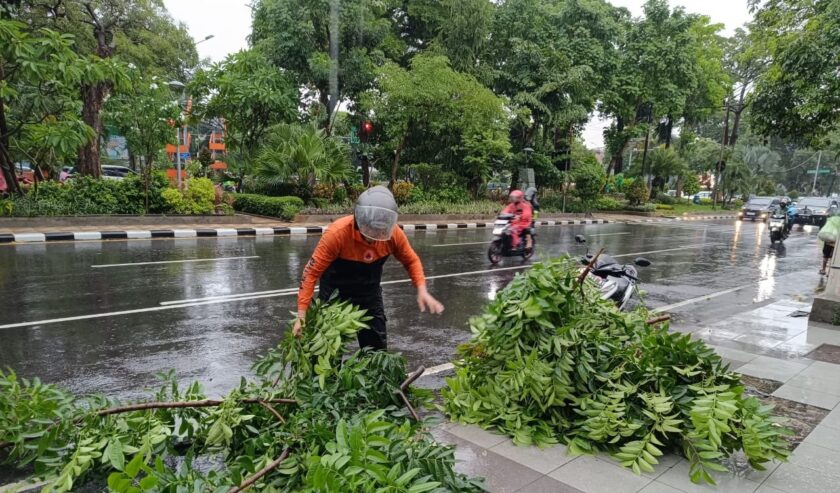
x,y
737,120
6,164
617,160
669,129
365,171
93,97
396,165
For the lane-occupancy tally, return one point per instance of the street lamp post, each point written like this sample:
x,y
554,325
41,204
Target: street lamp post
x,y
175,85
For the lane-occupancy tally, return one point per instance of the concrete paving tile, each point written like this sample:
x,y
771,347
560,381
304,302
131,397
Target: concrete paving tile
x,y
792,478
826,385
501,475
832,420
807,396
593,475
825,436
819,335
657,487
678,477
816,458
767,489
772,368
666,462
821,369
760,340
734,354
547,484
476,435
541,460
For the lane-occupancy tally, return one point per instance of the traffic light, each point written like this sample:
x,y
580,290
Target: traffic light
x,y
365,131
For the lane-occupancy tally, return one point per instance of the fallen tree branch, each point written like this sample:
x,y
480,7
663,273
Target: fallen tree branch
x,y
268,407
585,272
262,472
142,406
404,388
658,320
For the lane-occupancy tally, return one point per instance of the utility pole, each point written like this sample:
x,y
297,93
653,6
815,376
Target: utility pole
x,y
647,141
814,187
723,142
333,99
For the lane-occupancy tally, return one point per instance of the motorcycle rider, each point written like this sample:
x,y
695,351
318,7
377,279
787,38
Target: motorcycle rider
x,y
521,210
349,259
531,197
789,211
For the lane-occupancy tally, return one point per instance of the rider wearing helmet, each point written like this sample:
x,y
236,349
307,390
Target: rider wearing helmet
x,y
349,259
531,197
789,211
521,210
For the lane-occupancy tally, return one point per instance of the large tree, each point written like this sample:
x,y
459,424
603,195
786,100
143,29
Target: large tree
x,y
250,94
295,36
39,105
433,111
799,94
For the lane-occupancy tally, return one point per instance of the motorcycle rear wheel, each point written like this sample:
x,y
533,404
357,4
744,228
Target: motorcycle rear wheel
x,y
494,253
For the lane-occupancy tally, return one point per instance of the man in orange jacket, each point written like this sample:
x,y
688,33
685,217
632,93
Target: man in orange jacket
x,y
521,209
349,260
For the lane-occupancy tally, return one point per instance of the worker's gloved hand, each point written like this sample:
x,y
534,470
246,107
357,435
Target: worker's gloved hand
x,y
427,302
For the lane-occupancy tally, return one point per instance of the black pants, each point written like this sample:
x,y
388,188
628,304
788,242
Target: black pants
x,y
376,336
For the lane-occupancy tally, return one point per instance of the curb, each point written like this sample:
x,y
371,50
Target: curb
x,y
685,218
224,232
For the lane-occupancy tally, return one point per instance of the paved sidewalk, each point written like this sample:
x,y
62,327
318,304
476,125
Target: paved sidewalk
x,y
770,343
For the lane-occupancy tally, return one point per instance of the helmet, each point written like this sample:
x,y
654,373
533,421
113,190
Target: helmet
x,y
784,202
516,195
376,213
530,193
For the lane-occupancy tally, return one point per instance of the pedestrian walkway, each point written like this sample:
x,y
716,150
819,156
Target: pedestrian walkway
x,y
775,343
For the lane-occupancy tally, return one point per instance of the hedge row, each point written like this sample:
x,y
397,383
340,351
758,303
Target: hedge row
x,y
282,207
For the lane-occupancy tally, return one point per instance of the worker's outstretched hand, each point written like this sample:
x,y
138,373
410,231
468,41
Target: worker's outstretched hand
x,y
297,330
427,302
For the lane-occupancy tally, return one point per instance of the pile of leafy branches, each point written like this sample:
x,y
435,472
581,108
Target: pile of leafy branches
x,y
549,362
308,422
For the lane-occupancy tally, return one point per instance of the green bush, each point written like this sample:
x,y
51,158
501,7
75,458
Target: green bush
x,y
641,208
282,207
255,187
664,207
589,181
638,192
691,185
706,202
198,197
402,191
449,194
340,195
664,198
793,194
85,195
608,204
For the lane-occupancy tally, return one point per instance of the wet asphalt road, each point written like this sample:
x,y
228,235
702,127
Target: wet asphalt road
x,y
106,316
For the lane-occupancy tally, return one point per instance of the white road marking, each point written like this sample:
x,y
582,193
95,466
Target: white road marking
x,y
228,296
700,298
460,244
293,291
666,250
219,259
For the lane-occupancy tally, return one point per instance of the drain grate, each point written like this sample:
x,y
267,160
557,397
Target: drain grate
x,y
827,353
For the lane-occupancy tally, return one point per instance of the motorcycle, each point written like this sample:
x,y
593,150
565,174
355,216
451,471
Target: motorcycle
x,y
502,244
616,282
777,227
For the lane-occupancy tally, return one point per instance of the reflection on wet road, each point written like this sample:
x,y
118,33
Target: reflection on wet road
x,y
106,316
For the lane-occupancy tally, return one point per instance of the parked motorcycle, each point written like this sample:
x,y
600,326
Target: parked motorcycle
x,y
502,244
617,282
777,227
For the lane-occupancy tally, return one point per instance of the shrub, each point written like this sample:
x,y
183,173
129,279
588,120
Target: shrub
x,y
589,180
664,198
340,195
664,207
198,197
282,207
256,187
85,195
638,192
691,185
354,191
324,191
641,208
402,191
793,194
451,194
608,204
706,202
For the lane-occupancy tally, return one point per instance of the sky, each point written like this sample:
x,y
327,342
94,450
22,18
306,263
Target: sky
x,y
229,21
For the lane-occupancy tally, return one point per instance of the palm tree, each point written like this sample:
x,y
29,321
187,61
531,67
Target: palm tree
x,y
737,178
302,153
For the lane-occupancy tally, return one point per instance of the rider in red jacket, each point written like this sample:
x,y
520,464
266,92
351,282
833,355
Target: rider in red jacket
x,y
521,210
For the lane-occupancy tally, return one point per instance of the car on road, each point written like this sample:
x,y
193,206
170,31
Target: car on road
x,y
108,171
816,210
701,196
759,208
